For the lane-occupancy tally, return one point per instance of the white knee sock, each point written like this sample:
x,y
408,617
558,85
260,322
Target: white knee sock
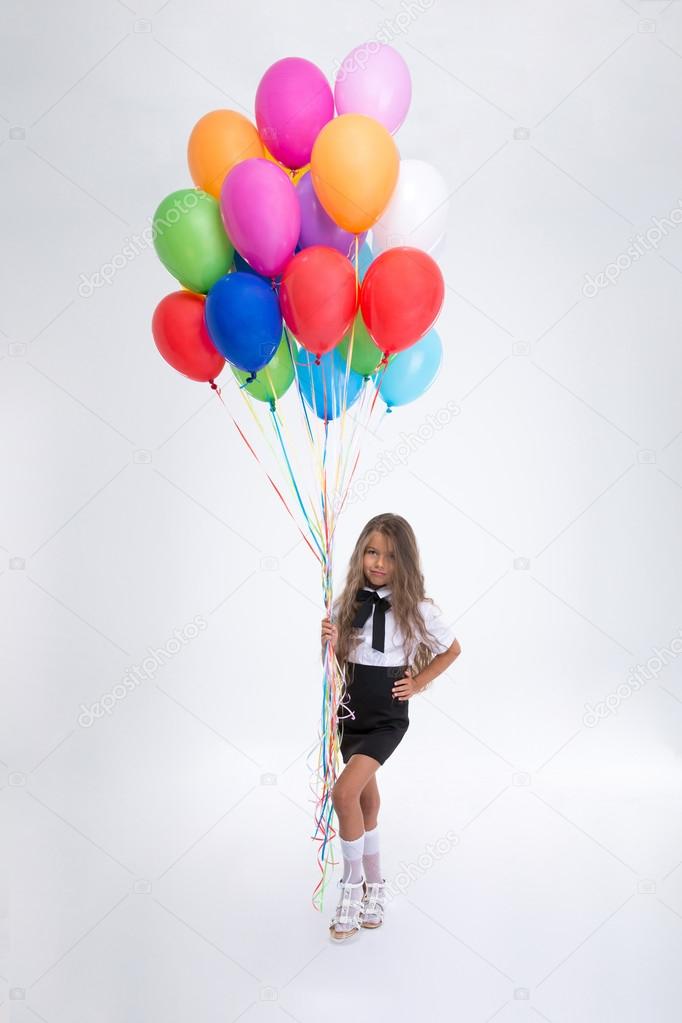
x,y
370,856
352,859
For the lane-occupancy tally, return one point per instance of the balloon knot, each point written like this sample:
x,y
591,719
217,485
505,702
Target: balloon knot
x,y
317,360
214,386
272,405
388,408
250,377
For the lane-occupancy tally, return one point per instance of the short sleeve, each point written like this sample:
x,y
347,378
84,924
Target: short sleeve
x,y
437,625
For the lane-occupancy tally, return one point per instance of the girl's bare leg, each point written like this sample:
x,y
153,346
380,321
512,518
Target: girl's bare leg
x,y
369,803
346,794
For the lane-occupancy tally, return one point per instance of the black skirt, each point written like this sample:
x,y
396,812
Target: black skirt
x,y
380,720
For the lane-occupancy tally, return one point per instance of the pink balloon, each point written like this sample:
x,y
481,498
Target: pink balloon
x,y
293,103
261,214
374,80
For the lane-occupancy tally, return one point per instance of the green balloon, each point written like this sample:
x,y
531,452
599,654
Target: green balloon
x,y
366,355
274,379
190,239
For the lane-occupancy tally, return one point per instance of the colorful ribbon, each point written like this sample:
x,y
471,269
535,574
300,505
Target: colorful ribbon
x,y
320,518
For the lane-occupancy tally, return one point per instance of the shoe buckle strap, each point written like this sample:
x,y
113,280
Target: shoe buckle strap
x,y
348,907
375,897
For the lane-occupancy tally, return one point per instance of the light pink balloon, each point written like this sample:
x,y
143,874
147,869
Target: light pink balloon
x,y
293,103
374,80
261,214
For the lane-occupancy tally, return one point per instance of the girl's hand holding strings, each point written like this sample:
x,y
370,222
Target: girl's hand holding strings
x,y
329,632
406,687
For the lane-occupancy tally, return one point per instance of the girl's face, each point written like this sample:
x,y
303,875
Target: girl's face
x,y
378,562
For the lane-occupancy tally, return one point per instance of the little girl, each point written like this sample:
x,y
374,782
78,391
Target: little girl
x,y
391,642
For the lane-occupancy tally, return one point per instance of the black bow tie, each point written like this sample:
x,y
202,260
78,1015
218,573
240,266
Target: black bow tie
x,y
371,601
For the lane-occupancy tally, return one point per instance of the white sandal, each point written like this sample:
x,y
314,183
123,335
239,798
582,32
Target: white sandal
x,y
346,921
373,903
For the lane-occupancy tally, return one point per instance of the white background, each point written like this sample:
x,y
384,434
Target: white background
x,y
161,864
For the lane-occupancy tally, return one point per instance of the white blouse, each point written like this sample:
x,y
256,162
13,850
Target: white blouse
x,y
394,652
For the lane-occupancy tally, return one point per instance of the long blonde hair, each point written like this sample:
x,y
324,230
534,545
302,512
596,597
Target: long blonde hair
x,y
407,590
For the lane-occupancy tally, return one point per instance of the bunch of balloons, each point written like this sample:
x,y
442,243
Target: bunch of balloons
x,y
271,247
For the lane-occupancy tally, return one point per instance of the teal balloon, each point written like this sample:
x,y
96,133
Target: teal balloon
x,y
412,371
365,257
322,386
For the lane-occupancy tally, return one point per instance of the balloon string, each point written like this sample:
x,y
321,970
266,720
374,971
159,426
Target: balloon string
x,y
328,748
359,417
309,433
298,382
294,491
365,426
383,365
276,488
333,683
276,410
349,357
291,473
313,435
333,689
324,777
351,445
249,403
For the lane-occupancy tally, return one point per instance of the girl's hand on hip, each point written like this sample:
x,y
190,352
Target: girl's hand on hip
x,y
406,687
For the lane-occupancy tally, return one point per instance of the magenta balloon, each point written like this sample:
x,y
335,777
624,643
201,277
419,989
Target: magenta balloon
x,y
293,103
261,214
317,227
374,80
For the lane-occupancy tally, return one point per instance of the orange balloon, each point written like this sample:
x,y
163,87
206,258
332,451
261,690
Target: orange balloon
x,y
354,167
219,141
295,175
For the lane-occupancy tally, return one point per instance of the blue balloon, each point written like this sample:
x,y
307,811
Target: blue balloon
x,y
412,371
243,319
365,257
326,381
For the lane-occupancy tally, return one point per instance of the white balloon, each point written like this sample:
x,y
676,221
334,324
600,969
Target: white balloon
x,y
418,211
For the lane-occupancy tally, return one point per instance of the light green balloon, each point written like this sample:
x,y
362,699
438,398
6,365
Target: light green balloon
x,y
366,355
274,379
190,239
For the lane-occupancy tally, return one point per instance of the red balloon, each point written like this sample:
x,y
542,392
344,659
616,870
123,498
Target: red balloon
x,y
182,338
318,297
401,296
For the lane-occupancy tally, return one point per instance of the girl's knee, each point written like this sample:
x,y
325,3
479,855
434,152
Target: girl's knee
x,y
370,805
343,797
